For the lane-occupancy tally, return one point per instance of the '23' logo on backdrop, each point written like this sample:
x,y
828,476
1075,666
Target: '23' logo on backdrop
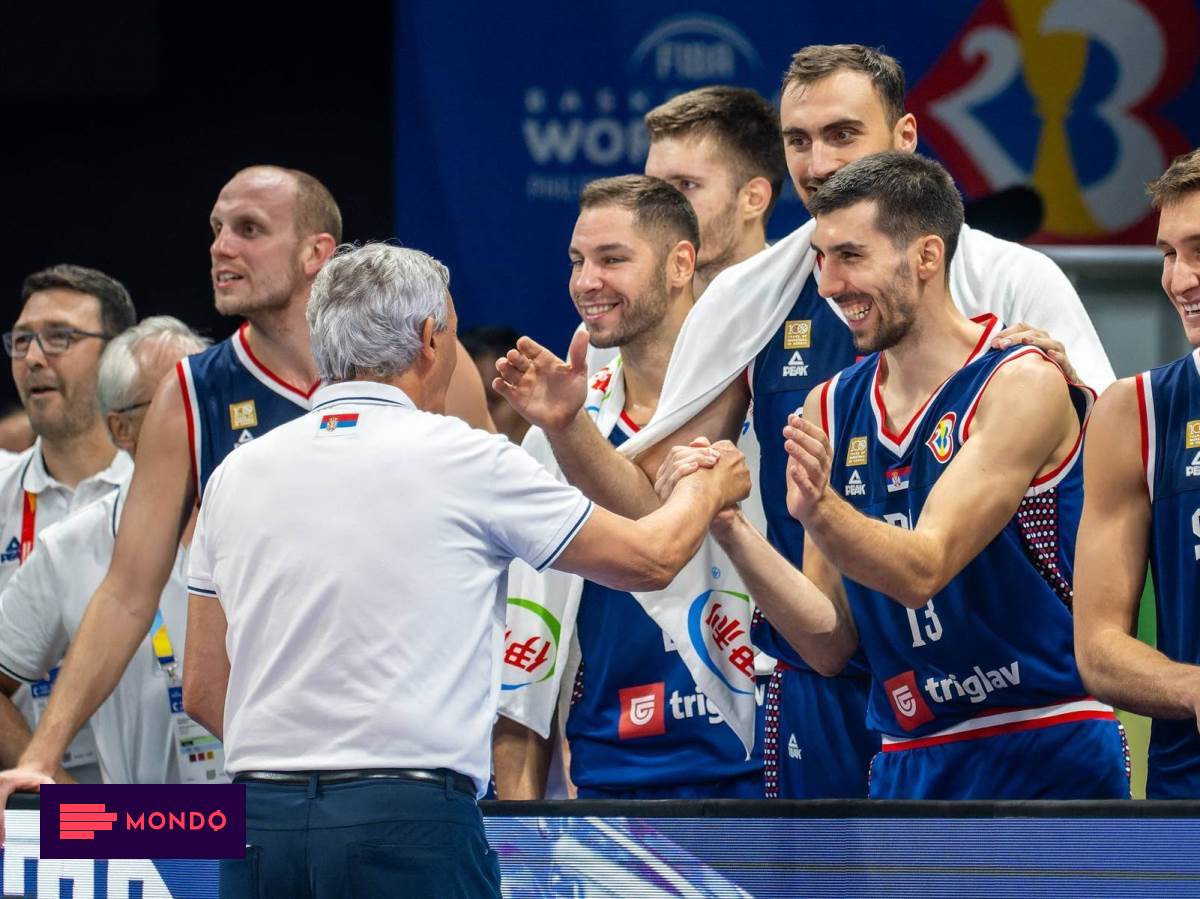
x,y
1065,95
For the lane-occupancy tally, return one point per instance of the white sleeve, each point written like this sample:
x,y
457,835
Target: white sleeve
x,y
532,517
1022,285
33,635
200,572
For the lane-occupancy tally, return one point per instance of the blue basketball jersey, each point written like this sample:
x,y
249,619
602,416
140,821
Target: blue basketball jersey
x,y
998,638
230,398
1169,408
637,717
811,346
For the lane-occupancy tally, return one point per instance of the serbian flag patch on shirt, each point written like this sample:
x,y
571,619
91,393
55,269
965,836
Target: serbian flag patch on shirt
x,y
340,422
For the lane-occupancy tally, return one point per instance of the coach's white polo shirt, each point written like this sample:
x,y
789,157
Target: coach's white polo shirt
x,y
26,472
360,554
41,608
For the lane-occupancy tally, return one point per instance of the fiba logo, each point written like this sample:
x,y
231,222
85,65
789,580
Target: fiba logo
x,y
905,702
574,132
694,48
642,711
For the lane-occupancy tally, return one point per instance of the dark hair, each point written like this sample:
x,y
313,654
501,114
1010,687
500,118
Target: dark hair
x,y
740,120
494,340
657,206
316,210
116,308
819,61
913,196
1181,177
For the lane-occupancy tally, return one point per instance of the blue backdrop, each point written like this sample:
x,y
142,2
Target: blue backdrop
x,y
503,111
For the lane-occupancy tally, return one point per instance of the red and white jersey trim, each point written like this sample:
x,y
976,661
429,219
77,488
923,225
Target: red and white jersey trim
x,y
1008,721
192,410
898,444
1148,427
828,417
266,377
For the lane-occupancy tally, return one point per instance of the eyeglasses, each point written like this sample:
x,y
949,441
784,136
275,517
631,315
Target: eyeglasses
x,y
125,409
54,340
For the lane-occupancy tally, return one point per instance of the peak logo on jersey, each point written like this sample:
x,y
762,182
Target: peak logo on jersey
x,y
794,751
797,335
1193,435
642,711
856,451
855,486
1192,470
246,437
342,422
243,415
897,478
941,441
910,708
12,552
796,367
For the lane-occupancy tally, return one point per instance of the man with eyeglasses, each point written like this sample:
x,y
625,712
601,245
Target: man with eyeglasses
x,y
68,314
139,734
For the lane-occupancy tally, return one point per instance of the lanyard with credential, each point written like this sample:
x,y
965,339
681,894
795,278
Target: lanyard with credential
x,y
200,754
80,751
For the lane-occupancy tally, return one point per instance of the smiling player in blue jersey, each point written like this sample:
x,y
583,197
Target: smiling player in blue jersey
x,y
939,486
1142,469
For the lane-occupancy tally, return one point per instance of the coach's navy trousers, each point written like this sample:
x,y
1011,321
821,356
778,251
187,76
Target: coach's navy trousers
x,y
369,838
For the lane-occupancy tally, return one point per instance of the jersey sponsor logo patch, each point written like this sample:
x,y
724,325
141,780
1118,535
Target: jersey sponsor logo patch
x,y
796,367
976,686
642,711
794,748
797,335
243,415
12,552
855,486
897,478
910,708
343,422
941,441
856,451
1193,470
1193,435
245,437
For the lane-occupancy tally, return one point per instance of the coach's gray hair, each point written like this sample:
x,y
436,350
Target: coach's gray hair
x,y
115,382
367,308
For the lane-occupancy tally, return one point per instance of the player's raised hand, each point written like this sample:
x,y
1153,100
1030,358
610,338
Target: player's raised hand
x,y
1022,333
682,461
546,391
809,462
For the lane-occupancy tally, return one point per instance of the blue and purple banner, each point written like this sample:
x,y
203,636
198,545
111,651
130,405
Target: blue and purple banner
x,y
502,113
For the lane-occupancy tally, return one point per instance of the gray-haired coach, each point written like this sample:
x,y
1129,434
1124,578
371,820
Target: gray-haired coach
x,y
348,587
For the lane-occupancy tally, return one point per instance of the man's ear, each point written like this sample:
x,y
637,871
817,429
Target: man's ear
x,y
931,255
681,263
755,197
317,251
120,429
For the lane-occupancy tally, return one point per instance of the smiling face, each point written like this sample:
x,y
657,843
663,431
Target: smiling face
x,y
1179,241
704,174
59,391
256,252
830,123
618,277
869,278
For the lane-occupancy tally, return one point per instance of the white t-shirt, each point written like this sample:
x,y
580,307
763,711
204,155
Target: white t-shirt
x,y
362,569
26,471
41,608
